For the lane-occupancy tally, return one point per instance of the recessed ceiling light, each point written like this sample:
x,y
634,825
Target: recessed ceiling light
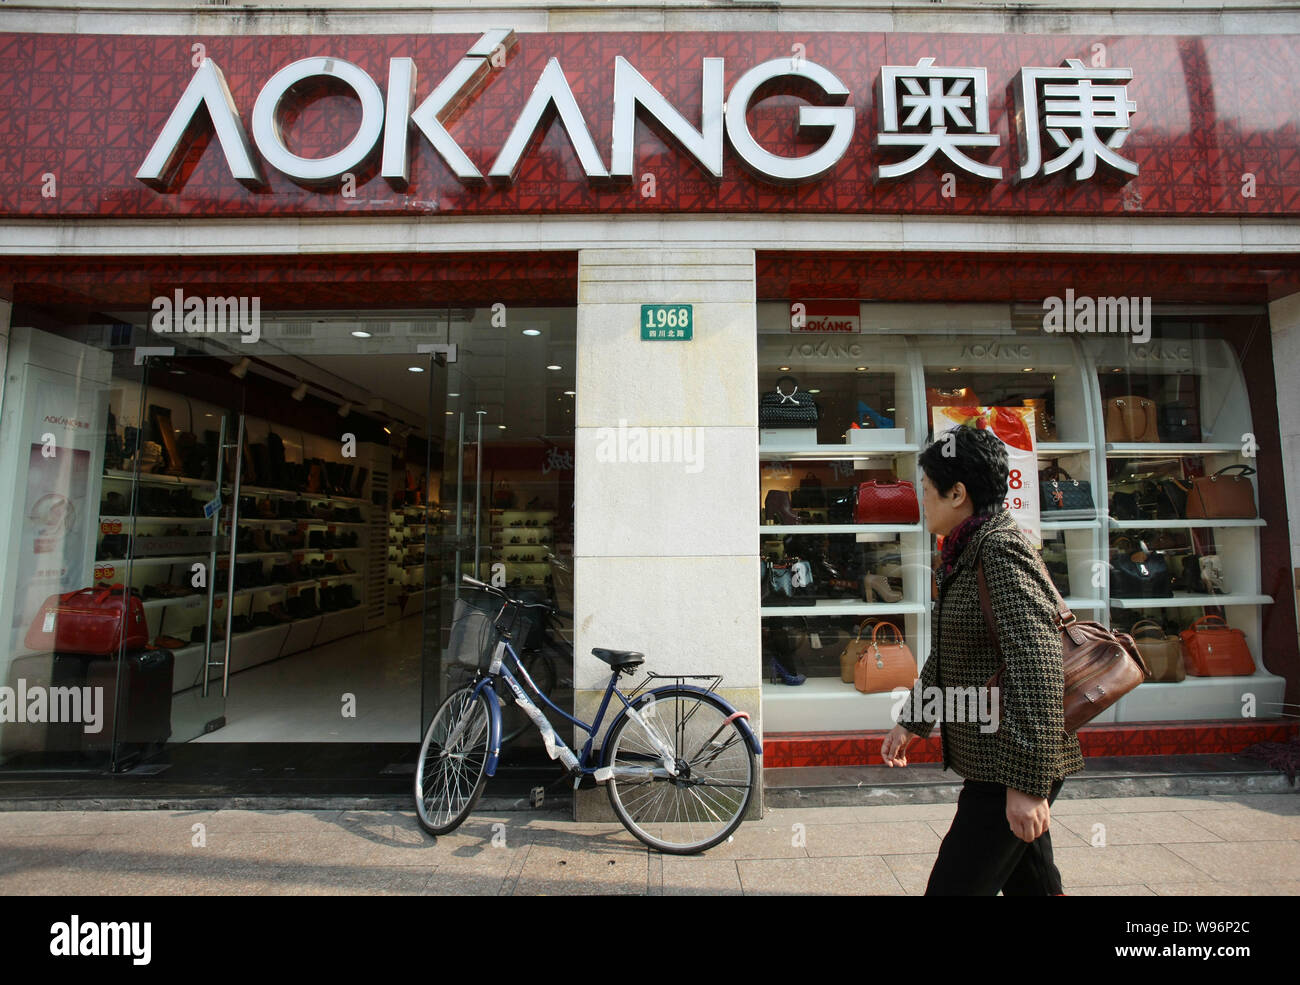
x,y
554,367
570,393
889,410
358,334
415,369
450,413
532,331
453,394
501,427
785,369
954,369
815,390
861,369
1027,369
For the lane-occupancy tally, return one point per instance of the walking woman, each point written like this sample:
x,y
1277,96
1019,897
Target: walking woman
x,y
999,837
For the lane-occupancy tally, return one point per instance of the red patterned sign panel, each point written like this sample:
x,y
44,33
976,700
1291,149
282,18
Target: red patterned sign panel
x,y
697,122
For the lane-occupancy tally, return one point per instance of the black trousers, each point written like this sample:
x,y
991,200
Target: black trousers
x,y
981,855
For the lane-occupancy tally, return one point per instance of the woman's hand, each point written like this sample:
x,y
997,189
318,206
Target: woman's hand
x,y
893,750
1027,815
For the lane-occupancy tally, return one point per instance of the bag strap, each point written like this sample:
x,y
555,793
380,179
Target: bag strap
x,y
1065,618
787,398
1213,619
1245,471
881,625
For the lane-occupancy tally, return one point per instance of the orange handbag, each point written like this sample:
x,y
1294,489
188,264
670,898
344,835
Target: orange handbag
x,y
885,664
1131,418
1214,649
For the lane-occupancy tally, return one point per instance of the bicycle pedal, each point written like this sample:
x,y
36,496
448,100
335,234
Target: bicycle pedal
x,y
536,797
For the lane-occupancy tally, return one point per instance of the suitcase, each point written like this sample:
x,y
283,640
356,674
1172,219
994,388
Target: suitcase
x,y
44,670
146,700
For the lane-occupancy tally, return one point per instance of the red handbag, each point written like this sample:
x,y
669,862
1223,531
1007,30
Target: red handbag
x,y
93,621
1216,649
886,502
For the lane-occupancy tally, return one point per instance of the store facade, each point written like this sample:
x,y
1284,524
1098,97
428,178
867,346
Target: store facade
x,y
543,279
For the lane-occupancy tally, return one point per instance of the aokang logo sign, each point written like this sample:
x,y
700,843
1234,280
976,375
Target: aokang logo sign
x,y
1068,117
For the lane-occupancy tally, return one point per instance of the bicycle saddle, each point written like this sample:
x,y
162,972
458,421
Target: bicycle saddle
x,y
619,659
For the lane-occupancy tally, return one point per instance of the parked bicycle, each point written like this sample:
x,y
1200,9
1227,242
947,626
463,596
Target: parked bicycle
x,y
678,761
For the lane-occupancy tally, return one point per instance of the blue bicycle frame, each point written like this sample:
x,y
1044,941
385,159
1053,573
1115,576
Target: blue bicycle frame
x,y
556,747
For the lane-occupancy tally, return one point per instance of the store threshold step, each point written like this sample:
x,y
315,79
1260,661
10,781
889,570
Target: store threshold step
x,y
1102,776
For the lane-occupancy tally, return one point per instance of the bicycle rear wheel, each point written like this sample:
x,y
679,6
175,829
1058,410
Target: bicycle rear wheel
x,y
706,802
452,769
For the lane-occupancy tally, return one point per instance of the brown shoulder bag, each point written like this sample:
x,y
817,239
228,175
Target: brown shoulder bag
x,y
1100,666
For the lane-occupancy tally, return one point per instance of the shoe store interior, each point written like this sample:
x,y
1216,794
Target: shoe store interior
x,y
291,518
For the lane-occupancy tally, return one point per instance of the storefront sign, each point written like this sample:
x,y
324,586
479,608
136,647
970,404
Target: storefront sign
x,y
834,317
635,122
674,322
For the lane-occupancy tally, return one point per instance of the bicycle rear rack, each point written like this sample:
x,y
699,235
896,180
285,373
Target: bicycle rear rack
x,y
714,681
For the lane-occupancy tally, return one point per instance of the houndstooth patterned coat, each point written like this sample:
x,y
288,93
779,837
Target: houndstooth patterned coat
x,y
1030,748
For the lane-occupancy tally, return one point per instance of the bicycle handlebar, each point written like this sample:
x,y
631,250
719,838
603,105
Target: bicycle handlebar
x,y
475,583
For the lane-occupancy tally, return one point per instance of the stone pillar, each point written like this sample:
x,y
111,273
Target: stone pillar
x,y
666,551
1284,320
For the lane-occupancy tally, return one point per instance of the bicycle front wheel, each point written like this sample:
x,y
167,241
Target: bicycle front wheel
x,y
452,769
707,800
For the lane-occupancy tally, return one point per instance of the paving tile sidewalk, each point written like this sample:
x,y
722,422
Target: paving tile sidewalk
x,y
1240,844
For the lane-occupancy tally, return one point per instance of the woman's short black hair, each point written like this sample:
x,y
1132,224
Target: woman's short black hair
x,y
976,458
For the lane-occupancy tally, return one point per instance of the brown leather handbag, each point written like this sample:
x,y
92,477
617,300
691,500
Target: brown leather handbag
x,y
1100,666
1131,418
885,664
1215,649
1223,497
1162,654
853,650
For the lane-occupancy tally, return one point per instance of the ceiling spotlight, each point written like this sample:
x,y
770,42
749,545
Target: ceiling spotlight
x,y
501,427
451,413
387,429
861,369
299,391
358,334
1027,369
570,393
532,331
815,390
954,369
345,409
240,369
785,369
554,367
453,394
415,369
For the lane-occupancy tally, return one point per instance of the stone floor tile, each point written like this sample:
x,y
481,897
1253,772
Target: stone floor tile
x,y
863,875
579,866
1227,889
855,815
1134,889
1248,824
1154,828
912,871
874,838
1240,861
698,875
1117,865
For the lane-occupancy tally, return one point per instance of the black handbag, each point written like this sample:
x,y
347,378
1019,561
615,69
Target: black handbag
x,y
1064,498
1173,499
1179,421
1147,578
787,406
810,495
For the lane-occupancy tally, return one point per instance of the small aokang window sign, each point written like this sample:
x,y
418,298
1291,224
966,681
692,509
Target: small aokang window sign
x,y
826,317
1070,117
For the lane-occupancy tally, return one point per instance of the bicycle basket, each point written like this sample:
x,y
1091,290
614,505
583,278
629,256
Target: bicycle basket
x,y
473,632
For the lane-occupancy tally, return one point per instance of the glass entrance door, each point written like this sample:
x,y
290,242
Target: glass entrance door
x,y
175,496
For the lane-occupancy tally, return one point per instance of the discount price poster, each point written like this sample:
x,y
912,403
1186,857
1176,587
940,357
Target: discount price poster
x,y
1014,427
